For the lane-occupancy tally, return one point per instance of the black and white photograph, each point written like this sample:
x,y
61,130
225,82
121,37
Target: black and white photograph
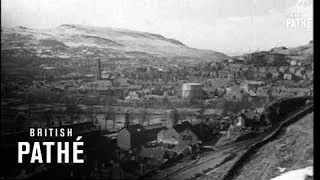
x,y
157,89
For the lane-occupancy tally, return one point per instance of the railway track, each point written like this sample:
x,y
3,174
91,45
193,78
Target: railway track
x,y
181,168
251,145
230,148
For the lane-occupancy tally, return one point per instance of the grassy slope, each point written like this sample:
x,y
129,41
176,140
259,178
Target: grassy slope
x,y
119,42
28,49
300,50
293,150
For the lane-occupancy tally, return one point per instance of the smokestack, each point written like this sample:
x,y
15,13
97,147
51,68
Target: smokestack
x,y
127,119
98,69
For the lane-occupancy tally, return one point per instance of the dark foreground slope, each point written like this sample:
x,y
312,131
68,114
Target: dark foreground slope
x,y
292,150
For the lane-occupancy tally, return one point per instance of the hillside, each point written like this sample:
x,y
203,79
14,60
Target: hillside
x,y
304,50
68,51
280,56
292,150
82,42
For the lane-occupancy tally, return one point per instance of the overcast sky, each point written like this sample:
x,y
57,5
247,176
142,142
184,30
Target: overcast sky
x,y
229,26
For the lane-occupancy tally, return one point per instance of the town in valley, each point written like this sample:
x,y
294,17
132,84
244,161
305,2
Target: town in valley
x,y
139,104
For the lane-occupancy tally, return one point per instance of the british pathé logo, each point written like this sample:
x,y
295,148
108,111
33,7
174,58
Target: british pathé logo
x,y
298,17
34,152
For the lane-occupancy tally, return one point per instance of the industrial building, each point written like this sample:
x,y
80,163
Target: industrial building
x,y
192,90
132,137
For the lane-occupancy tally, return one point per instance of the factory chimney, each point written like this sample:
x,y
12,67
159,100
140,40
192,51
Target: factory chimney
x,y
127,119
98,70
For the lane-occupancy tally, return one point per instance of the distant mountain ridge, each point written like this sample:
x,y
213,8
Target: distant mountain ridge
x,y
303,50
80,42
280,55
